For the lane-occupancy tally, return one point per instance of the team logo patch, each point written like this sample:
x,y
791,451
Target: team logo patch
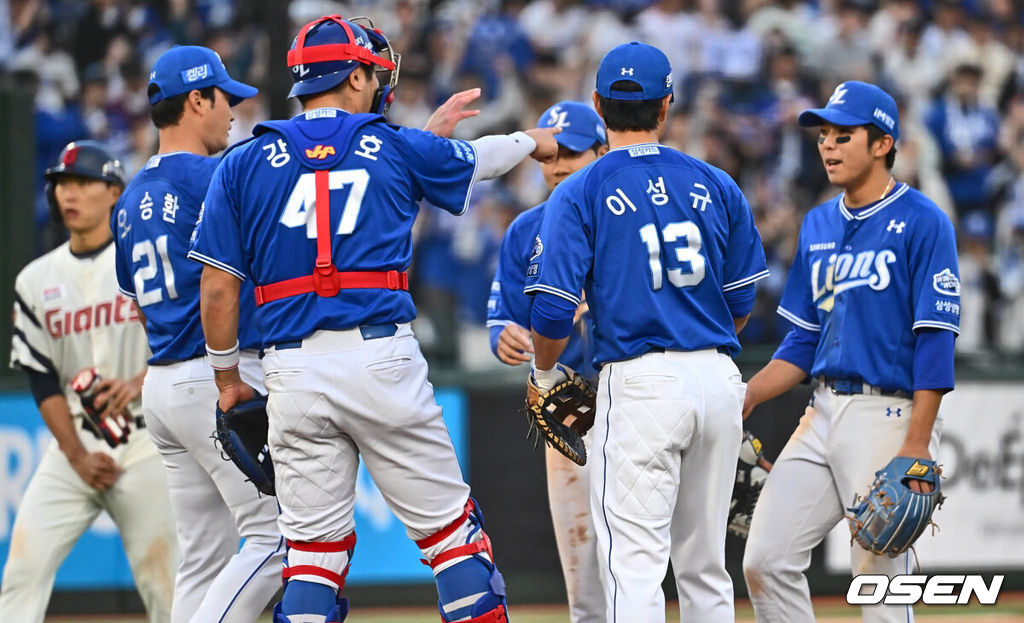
x,y
195,74
946,283
917,470
538,248
320,152
52,294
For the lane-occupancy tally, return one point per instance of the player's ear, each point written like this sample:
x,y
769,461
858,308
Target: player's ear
x,y
882,146
602,150
115,192
597,104
663,111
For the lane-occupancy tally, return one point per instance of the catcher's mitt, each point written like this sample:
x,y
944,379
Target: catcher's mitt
x,y
892,515
751,471
242,434
548,411
114,428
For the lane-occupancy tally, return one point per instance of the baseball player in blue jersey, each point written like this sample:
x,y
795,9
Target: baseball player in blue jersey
x,y
191,96
665,248
874,298
581,141
317,213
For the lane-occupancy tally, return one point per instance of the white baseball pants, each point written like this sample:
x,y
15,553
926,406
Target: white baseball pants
x,y
664,446
338,397
569,499
214,506
841,441
58,507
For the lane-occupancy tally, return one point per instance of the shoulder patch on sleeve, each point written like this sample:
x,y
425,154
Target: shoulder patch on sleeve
x,y
946,283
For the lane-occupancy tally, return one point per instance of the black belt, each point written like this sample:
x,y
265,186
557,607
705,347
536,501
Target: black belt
x,y
659,349
368,331
850,387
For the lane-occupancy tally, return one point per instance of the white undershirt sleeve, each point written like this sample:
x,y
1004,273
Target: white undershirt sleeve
x,y
497,154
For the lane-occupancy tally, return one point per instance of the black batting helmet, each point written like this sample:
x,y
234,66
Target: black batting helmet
x,y
84,159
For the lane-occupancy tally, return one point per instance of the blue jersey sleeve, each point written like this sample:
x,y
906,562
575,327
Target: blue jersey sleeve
x,y
442,169
797,304
563,251
217,239
745,261
122,264
935,273
508,282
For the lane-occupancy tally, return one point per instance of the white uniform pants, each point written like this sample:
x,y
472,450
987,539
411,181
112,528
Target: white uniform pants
x,y
338,397
214,505
569,499
58,507
834,453
664,446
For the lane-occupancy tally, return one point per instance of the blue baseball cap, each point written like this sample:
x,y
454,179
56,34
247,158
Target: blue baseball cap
x,y
581,125
639,63
856,103
187,67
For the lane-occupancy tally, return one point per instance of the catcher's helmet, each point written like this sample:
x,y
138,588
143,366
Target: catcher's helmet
x,y
84,159
327,49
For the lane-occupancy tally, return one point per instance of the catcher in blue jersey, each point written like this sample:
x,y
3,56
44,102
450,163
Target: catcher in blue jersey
x,y
581,141
665,249
874,298
317,212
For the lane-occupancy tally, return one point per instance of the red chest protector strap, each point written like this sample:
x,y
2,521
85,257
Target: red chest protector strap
x,y
326,281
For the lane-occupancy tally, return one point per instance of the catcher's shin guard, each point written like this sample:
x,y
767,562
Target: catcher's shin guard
x,y
313,581
469,587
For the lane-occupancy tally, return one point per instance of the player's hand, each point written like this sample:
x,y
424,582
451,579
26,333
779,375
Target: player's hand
x,y
916,452
96,469
448,115
114,395
514,345
547,148
232,388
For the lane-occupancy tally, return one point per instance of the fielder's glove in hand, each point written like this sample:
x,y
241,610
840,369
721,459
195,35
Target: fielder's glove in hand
x,y
893,515
751,471
242,434
547,411
113,429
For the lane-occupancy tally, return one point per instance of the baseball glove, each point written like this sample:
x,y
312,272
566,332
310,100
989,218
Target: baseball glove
x,y
113,429
751,471
892,515
547,412
242,436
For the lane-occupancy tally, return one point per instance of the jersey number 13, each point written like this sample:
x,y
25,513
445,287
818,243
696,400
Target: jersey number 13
x,y
684,236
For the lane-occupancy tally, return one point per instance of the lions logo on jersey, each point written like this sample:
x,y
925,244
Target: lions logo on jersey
x,y
845,271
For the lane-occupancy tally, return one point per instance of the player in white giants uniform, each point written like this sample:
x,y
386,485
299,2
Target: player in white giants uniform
x,y
69,316
581,141
191,96
665,248
874,298
334,191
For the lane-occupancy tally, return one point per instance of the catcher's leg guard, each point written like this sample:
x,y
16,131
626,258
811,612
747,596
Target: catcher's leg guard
x,y
313,587
469,587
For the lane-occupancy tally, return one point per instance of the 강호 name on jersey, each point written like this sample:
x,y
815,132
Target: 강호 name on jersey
x,y
649,205
153,222
370,163
68,315
885,271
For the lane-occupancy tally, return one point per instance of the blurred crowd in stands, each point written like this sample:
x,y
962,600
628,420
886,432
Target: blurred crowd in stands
x,y
744,69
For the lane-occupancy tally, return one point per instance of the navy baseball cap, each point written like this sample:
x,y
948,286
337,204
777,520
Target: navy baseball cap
x,y
187,67
856,103
639,63
581,125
